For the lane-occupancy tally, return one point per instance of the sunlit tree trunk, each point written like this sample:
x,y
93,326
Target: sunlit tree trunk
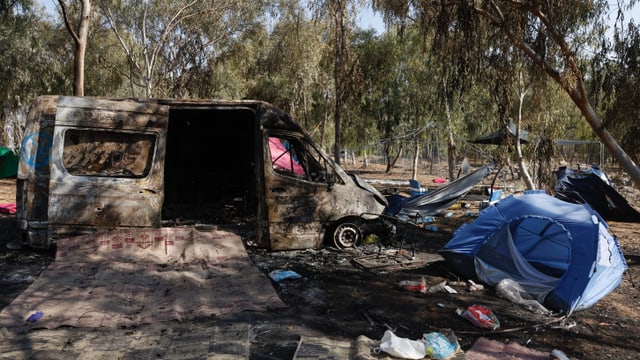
x,y
451,144
524,172
416,157
80,39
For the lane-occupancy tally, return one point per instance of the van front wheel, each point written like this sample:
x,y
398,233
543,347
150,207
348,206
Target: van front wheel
x,y
347,235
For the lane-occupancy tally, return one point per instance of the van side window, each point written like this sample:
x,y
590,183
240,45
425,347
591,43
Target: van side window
x,y
296,158
107,153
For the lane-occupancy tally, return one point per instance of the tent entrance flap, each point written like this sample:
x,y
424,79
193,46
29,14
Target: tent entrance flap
x,y
523,261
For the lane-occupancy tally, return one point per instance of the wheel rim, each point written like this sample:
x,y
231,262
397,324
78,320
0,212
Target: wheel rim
x,y
346,235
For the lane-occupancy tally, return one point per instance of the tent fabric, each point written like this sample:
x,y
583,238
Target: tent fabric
x,y
560,253
592,186
436,201
499,137
8,163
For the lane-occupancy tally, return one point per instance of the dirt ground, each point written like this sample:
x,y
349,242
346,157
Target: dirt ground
x,y
345,294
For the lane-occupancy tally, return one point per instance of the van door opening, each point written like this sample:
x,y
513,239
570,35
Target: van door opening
x,y
209,171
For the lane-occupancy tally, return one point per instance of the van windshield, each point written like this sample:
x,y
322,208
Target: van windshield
x,y
107,153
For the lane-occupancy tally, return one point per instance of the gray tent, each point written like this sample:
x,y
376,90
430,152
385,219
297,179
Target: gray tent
x,y
500,137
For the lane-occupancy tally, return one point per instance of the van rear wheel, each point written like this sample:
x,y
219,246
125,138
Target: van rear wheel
x,y
347,235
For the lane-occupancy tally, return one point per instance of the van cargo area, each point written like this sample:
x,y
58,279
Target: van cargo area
x,y
209,167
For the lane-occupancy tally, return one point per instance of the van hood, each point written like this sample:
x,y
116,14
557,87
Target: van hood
x,y
366,186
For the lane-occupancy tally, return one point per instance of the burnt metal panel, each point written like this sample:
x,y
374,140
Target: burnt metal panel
x,y
101,113
111,198
301,207
32,185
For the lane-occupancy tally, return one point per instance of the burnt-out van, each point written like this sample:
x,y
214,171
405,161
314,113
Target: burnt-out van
x,y
100,164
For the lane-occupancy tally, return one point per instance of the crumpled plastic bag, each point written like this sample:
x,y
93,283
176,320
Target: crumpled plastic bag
x,y
279,275
480,316
402,348
511,290
440,346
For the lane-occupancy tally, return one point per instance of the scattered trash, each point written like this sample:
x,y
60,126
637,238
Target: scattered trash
x,y
431,228
279,275
480,316
371,239
401,347
442,287
558,354
425,219
440,346
449,214
440,305
510,289
35,317
439,180
566,325
414,286
475,287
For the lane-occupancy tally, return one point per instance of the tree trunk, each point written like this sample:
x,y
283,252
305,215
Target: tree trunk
x,y
416,157
365,159
392,162
340,43
80,39
451,145
526,177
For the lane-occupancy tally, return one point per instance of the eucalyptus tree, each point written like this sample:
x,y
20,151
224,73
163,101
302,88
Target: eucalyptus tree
x,y
79,33
340,15
380,94
105,65
164,40
287,70
551,34
33,57
616,83
420,104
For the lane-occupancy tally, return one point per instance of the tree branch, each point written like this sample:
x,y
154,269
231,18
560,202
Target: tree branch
x,y
67,23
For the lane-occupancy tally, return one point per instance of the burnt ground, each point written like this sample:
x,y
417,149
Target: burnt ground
x,y
340,296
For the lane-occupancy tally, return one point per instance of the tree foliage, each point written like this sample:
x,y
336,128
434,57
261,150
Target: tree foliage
x,y
442,68
550,34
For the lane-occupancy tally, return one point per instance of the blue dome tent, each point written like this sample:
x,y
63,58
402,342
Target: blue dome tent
x,y
562,254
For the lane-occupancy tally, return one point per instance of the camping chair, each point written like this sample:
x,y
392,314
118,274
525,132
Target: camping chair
x,y
415,189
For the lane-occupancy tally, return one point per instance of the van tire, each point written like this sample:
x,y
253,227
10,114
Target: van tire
x,y
347,235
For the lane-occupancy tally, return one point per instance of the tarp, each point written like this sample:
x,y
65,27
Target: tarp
x,y
592,186
131,277
438,200
499,137
8,163
560,253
